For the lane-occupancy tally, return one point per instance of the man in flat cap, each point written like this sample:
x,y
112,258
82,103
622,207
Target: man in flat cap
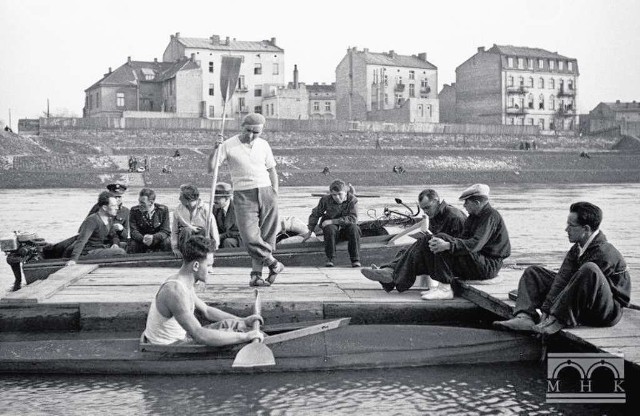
x,y
479,251
255,195
224,213
401,273
591,288
121,220
150,225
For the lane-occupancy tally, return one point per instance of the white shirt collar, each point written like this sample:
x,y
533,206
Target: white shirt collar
x,y
586,245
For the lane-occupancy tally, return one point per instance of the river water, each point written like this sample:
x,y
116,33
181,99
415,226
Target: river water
x,y
535,216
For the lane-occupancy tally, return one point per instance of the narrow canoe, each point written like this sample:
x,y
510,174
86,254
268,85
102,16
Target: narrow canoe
x,y
347,347
372,250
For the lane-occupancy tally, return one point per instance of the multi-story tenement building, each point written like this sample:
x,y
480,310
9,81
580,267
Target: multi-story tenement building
x,y
518,85
173,87
261,72
606,116
322,101
447,101
386,86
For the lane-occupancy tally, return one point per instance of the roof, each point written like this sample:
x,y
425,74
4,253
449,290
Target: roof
x,y
233,45
132,71
624,106
321,88
526,52
388,59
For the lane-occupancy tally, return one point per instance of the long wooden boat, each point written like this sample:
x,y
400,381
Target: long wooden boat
x,y
372,250
341,347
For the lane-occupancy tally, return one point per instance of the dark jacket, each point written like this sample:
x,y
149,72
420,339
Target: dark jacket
x,y
606,257
227,224
158,225
93,234
122,217
328,209
449,220
485,234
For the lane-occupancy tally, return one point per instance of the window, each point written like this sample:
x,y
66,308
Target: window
x,y
212,111
521,63
399,98
530,63
211,87
257,92
512,102
276,68
412,74
561,84
531,82
399,80
421,110
521,81
412,90
272,112
570,66
510,81
541,83
241,103
541,102
552,64
257,69
374,77
98,99
386,79
530,101
327,106
120,99
552,83
552,102
509,120
86,101
241,85
569,87
211,67
386,98
510,62
257,109
541,123
540,63
560,65
530,122
316,106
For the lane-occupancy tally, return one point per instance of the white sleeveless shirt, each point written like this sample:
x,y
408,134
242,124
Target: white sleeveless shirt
x,y
162,330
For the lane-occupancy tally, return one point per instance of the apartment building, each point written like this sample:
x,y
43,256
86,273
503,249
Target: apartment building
x,y
613,115
261,72
386,87
322,101
173,87
518,86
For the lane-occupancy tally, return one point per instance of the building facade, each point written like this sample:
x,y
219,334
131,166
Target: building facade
x,y
370,85
447,101
172,87
322,101
261,72
607,116
518,86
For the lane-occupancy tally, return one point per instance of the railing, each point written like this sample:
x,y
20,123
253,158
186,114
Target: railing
x,y
242,89
517,90
566,112
399,88
517,111
566,92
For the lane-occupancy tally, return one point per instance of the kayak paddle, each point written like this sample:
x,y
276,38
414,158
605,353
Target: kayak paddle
x,y
256,353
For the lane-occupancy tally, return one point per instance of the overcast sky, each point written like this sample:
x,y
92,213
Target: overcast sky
x,y
57,48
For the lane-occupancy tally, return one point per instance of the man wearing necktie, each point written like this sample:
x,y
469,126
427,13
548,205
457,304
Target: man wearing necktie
x,y
150,226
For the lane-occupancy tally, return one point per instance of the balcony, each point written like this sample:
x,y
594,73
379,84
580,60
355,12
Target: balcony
x,y
519,90
424,92
242,88
566,112
399,88
566,92
516,111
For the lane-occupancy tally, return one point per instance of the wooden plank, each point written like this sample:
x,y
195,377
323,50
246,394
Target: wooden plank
x,y
55,283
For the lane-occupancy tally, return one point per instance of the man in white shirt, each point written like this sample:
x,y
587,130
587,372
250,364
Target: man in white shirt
x,y
190,218
255,193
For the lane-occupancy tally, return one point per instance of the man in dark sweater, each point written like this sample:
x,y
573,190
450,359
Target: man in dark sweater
x,y
591,287
96,239
121,219
225,215
150,226
337,214
401,273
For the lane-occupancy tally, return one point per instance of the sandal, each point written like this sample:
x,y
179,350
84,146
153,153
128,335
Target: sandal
x,y
256,279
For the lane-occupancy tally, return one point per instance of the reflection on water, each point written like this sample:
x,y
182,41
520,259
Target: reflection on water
x,y
451,390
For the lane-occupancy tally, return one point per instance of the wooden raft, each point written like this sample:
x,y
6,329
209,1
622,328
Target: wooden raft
x,y
624,338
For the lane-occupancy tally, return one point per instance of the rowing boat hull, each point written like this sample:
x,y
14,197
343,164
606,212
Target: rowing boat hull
x,y
348,347
372,250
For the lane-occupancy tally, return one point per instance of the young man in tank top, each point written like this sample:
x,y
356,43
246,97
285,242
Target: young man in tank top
x,y
171,318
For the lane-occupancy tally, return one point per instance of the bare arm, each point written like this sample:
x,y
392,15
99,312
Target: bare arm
x,y
273,176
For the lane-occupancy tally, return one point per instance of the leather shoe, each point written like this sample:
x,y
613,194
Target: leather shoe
x,y
549,326
356,264
522,322
384,275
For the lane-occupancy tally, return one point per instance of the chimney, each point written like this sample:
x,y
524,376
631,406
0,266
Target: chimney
x,y
273,41
480,48
155,60
365,50
422,56
193,57
215,39
177,34
295,77
617,101
392,53
128,59
108,73
226,42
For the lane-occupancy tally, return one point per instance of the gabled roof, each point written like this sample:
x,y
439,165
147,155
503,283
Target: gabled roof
x,y
322,89
129,73
523,51
233,45
389,59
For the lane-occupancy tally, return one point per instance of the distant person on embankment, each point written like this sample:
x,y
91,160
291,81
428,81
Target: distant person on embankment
x,y
401,273
255,195
171,318
591,288
96,239
150,225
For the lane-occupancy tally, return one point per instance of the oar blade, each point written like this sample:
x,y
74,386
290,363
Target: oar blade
x,y
255,354
229,72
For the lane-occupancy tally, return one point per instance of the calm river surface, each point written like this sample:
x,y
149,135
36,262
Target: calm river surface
x,y
535,216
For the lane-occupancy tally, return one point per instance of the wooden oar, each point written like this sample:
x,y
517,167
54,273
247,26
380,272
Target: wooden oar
x,y
229,72
256,353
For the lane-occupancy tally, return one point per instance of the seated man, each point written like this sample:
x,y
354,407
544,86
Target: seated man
x,y
190,218
171,318
479,251
591,287
121,220
225,216
338,217
96,238
401,273
150,225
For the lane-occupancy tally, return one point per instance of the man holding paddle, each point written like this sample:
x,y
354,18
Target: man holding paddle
x,y
171,318
255,195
